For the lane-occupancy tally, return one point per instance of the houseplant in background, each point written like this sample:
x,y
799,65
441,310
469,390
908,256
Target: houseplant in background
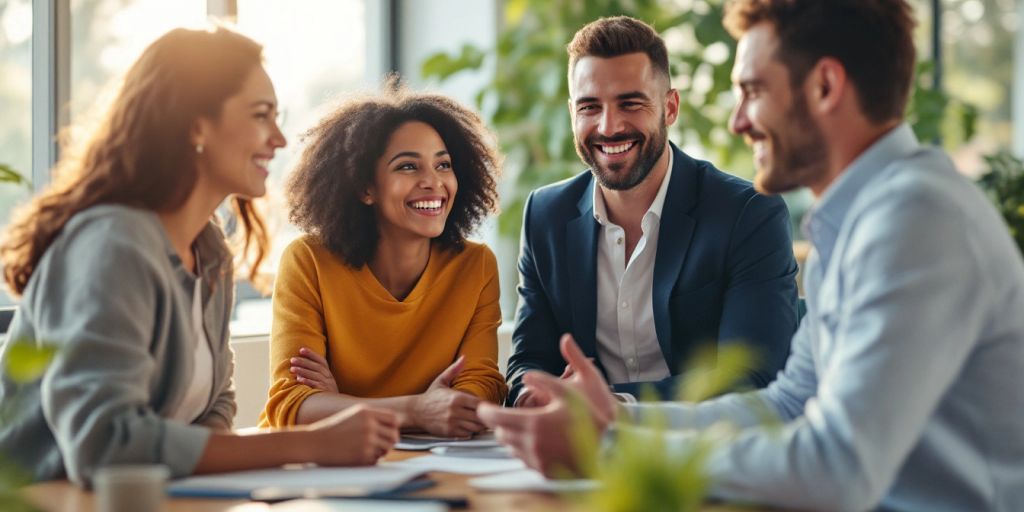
x,y
1004,184
526,99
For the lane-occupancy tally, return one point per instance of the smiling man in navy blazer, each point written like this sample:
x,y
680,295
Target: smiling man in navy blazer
x,y
650,254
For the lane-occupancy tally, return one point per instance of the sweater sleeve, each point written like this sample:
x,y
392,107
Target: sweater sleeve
x,y
96,395
298,322
481,377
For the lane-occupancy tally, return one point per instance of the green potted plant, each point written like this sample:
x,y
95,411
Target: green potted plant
x,y
641,473
1004,184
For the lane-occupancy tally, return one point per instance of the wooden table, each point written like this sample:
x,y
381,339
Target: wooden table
x,y
63,496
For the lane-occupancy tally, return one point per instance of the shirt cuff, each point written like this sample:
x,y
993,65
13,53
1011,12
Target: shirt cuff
x,y
625,398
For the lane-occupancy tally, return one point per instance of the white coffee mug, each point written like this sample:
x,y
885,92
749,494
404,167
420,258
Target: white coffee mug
x,y
130,488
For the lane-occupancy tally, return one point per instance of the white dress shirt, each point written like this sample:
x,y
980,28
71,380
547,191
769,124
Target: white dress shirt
x,y
627,343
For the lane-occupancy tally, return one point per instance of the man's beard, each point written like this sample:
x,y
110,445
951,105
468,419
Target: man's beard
x,y
798,161
613,178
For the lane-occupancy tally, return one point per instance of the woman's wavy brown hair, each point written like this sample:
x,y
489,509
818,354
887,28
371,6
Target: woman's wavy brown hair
x,y
141,154
340,159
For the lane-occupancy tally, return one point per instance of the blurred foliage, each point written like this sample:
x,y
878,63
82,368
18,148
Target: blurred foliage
x,y
526,101
9,175
644,471
12,479
25,362
935,115
1004,183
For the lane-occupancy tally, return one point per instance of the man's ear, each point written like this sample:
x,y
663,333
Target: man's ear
x,y
671,107
826,84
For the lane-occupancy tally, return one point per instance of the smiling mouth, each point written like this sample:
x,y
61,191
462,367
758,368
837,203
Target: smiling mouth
x,y
263,163
615,149
428,207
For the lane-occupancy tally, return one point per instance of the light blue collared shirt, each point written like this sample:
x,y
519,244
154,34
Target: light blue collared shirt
x,y
905,386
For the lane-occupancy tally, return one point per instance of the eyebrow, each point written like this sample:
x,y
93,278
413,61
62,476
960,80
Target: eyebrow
x,y
750,82
413,154
631,95
262,103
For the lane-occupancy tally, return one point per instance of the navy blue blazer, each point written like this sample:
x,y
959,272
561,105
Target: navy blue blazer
x,y
724,273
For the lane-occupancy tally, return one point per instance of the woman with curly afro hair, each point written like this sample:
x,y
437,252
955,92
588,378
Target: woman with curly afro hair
x,y
383,301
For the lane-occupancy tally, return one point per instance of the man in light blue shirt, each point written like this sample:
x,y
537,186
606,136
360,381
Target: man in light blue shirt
x,y
903,390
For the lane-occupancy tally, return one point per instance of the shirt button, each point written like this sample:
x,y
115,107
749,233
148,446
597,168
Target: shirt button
x,y
619,241
625,305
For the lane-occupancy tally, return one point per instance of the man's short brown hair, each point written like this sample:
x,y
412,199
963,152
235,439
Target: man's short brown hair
x,y
873,39
619,35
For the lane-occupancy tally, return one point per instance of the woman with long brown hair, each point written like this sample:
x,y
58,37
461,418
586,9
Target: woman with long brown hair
x,y
119,265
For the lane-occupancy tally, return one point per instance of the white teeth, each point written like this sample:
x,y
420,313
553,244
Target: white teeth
x,y
262,162
427,205
614,150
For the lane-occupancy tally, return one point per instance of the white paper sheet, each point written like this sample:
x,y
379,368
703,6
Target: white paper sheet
x,y
490,452
316,480
460,465
356,506
417,442
530,480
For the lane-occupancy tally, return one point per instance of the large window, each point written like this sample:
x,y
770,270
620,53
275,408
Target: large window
x,y
311,67
15,104
978,69
315,50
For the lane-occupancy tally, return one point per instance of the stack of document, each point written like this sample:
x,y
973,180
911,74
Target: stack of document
x,y
295,482
357,506
483,455
422,442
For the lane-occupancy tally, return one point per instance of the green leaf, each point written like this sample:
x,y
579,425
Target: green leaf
x,y
9,175
442,65
26,360
715,371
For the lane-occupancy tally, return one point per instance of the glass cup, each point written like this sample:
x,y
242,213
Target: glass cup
x,y
130,488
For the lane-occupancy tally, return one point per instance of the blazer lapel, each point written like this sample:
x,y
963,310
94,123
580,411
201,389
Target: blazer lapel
x,y
674,234
581,260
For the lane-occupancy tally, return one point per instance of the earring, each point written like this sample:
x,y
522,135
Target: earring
x,y
199,149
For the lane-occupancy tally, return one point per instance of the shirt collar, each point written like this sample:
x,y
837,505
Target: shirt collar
x,y
213,251
823,221
601,211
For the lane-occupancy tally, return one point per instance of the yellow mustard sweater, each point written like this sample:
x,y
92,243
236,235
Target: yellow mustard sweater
x,y
376,345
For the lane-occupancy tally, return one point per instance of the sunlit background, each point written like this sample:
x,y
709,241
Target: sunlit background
x,y
317,50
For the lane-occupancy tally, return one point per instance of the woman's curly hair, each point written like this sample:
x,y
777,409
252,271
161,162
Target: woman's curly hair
x,y
339,162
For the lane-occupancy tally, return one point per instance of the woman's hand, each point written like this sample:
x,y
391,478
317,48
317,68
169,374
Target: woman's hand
x,y
357,436
312,370
443,411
